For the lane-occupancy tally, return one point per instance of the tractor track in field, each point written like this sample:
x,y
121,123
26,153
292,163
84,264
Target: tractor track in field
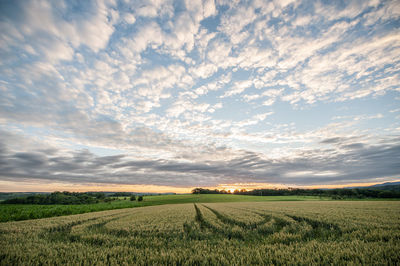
x,y
62,233
96,233
269,225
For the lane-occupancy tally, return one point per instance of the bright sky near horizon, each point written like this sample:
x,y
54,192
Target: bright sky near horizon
x,y
171,95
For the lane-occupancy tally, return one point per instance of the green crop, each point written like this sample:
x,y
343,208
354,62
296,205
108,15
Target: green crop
x,y
18,212
241,233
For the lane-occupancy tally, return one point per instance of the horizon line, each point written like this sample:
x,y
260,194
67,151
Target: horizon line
x,y
27,187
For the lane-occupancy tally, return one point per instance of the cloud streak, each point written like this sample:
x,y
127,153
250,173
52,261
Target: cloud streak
x,y
345,162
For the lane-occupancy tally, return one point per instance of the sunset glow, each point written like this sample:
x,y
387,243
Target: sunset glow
x,y
39,186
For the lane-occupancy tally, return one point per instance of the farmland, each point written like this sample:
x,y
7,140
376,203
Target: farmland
x,y
18,212
269,232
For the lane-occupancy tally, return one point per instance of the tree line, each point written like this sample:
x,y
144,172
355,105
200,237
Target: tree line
x,y
334,193
67,198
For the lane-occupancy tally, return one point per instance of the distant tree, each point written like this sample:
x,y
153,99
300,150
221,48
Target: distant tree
x,y
140,198
98,195
133,198
121,194
197,190
236,191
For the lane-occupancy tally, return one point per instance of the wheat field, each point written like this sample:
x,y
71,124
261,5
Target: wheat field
x,y
242,233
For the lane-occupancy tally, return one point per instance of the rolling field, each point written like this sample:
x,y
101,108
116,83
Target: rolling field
x,y
280,232
19,212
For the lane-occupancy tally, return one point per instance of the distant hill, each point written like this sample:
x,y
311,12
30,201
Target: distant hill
x,y
394,186
389,186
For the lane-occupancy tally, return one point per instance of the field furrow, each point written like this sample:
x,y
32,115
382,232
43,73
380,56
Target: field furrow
x,y
212,233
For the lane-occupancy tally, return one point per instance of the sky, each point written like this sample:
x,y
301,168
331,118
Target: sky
x,y
170,95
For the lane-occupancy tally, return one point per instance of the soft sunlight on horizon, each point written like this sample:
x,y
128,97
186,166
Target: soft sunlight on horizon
x,y
159,95
39,186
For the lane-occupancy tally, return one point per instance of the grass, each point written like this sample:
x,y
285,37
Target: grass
x,y
211,198
226,233
18,212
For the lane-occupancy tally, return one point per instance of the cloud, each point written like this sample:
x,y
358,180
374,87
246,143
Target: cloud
x,y
358,163
332,140
129,18
150,34
209,8
44,27
199,91
238,88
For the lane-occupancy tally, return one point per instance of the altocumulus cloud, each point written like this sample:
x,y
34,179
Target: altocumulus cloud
x,y
199,93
